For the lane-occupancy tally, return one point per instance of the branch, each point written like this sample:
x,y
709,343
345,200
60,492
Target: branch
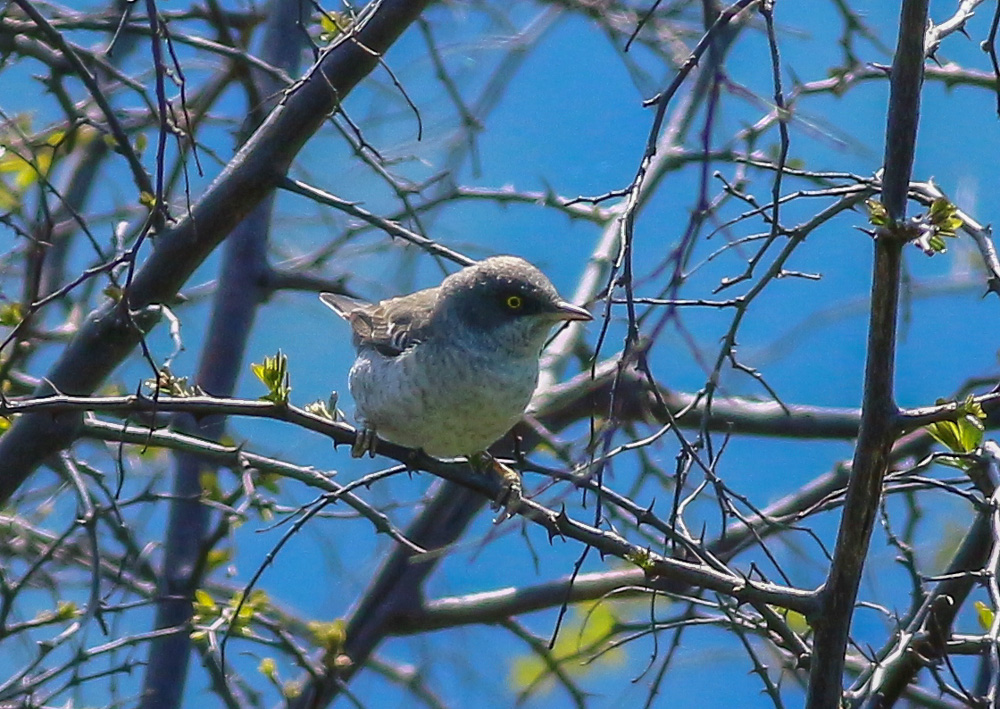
x,y
871,454
236,458
243,271
108,336
656,568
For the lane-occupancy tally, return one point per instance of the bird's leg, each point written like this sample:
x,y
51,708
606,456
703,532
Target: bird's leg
x,y
364,442
510,497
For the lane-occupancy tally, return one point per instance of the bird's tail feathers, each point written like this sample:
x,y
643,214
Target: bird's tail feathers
x,y
342,305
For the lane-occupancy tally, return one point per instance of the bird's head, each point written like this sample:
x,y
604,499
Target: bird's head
x,y
507,302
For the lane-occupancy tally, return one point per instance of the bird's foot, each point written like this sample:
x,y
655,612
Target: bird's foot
x,y
364,442
511,491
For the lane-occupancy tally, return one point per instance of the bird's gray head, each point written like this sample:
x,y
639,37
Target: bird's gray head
x,y
507,301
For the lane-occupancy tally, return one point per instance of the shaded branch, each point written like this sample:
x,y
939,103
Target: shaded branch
x,y
108,335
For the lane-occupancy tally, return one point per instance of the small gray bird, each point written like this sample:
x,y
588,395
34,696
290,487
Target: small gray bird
x,y
451,369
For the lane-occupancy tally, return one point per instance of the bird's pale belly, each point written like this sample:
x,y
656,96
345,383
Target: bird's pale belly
x,y
444,409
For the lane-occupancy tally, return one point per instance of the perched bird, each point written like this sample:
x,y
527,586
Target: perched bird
x,y
451,369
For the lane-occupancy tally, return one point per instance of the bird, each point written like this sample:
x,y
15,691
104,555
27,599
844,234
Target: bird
x,y
450,369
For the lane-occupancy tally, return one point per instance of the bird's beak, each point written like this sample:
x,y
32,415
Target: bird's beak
x,y
568,311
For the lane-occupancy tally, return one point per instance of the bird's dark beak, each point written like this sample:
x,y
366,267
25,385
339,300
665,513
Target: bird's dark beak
x,y
568,311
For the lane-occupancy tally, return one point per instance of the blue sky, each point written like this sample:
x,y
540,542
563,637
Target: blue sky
x,y
571,121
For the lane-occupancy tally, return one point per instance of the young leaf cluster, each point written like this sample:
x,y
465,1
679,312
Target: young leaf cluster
x,y
273,373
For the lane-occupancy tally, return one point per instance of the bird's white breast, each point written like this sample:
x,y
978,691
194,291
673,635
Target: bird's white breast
x,y
447,401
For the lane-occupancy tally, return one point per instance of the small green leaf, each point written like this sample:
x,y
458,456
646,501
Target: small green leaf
x,y
210,489
330,636
55,138
797,622
269,668
940,208
970,433
147,199
974,408
582,646
936,244
941,222
877,213
985,615
965,433
115,293
11,314
10,199
641,558
217,557
268,481
319,408
66,610
946,433
273,373
333,24
167,383
204,604
258,599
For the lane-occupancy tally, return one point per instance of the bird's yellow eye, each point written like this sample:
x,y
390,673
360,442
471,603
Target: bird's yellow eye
x,y
514,302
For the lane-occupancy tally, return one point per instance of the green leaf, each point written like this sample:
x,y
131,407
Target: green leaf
x,y
641,558
333,24
974,408
965,433
330,636
942,211
319,408
877,213
205,606
217,557
240,620
970,433
11,314
586,633
168,383
269,668
940,222
258,599
10,199
985,615
273,373
936,244
946,433
66,610
797,622
268,481
210,489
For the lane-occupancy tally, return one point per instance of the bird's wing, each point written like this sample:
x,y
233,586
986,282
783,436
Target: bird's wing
x,y
390,327
343,305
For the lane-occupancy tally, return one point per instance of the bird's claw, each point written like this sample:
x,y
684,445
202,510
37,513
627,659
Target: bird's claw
x,y
511,491
364,442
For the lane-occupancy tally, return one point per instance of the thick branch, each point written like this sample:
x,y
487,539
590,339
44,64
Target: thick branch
x,y
240,292
879,408
108,335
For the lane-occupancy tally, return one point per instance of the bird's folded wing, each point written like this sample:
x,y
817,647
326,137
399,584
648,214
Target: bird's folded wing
x,y
390,327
